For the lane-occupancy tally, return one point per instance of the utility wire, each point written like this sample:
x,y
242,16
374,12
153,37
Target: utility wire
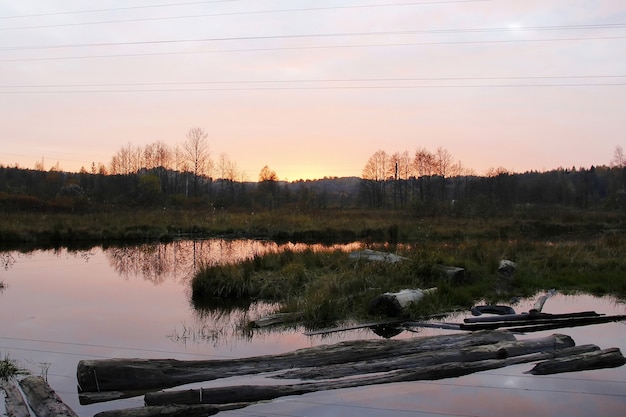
x,y
344,87
323,80
319,35
307,9
302,48
113,9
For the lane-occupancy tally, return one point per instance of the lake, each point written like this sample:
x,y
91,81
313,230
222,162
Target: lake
x,y
61,306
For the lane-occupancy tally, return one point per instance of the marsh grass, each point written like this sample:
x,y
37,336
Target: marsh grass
x,y
328,286
10,369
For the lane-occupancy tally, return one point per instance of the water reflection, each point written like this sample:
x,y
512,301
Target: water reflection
x,y
179,260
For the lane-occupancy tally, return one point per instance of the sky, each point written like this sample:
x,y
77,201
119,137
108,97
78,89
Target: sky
x,y
314,88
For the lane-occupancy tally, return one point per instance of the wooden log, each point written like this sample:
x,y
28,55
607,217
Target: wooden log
x,y
173,410
253,393
392,304
274,319
353,327
608,358
492,309
145,374
542,300
547,324
43,400
499,350
529,316
14,402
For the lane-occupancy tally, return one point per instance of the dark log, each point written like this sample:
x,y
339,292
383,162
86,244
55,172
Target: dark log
x,y
274,319
174,410
14,402
253,393
353,327
146,374
529,316
608,358
432,325
542,324
43,400
492,309
500,350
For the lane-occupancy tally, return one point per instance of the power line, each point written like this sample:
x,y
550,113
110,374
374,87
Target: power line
x,y
308,9
112,9
318,35
343,87
323,80
302,48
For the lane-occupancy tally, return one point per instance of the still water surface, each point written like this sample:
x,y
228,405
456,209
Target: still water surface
x,y
59,307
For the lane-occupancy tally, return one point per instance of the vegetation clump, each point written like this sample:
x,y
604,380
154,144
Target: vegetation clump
x,y
9,369
330,286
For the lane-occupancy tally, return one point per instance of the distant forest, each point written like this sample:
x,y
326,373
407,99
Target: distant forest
x,y
599,187
425,183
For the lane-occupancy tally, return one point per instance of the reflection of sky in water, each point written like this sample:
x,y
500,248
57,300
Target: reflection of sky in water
x,y
61,307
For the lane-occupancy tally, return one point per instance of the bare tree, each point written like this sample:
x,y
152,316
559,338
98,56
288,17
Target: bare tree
x,y
619,159
196,153
374,175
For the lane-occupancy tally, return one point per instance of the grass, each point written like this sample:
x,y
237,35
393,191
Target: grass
x,y
9,369
330,287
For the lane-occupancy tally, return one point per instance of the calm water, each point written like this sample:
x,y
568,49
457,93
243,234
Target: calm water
x,y
59,307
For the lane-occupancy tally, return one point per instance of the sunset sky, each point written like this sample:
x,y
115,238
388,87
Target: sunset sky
x,y
314,88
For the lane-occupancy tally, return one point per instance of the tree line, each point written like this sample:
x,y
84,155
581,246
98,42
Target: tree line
x,y
422,182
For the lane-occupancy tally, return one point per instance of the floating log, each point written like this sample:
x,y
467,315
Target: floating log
x,y
274,319
392,304
173,410
534,316
608,358
542,300
43,400
145,374
492,309
542,324
353,327
14,402
499,350
253,393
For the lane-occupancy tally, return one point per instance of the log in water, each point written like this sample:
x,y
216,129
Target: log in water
x,y
252,393
146,374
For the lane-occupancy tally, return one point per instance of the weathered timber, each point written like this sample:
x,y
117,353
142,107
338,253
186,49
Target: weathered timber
x,y
499,350
492,309
542,324
43,400
372,255
253,393
529,316
542,300
431,325
14,402
608,358
353,327
173,410
274,319
392,304
150,374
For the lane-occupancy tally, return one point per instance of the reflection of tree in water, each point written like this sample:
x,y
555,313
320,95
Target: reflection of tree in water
x,y
180,259
7,260
157,262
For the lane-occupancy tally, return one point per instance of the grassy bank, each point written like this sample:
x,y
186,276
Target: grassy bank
x,y
114,227
329,286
